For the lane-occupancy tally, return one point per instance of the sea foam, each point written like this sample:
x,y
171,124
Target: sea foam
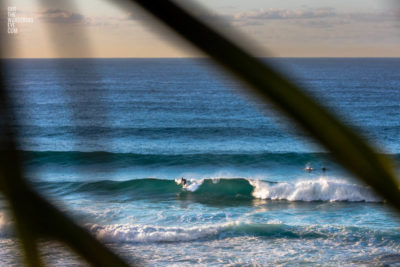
x,y
322,189
136,233
5,226
146,233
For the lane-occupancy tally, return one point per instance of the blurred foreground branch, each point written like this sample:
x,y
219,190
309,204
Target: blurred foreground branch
x,y
36,218
347,147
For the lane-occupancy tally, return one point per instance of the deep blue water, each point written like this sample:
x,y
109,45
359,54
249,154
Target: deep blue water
x,y
109,139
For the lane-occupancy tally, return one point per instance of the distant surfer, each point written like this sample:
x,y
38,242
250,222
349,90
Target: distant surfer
x,y
323,169
183,181
308,169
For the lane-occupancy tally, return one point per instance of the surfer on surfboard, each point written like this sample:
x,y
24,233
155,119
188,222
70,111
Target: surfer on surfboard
x,y
308,169
183,181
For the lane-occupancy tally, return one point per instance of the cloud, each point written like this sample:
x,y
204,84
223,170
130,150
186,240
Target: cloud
x,y
381,16
322,23
55,15
312,17
285,14
129,16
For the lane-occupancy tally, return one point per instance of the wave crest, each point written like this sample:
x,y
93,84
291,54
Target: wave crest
x,y
124,233
322,189
145,233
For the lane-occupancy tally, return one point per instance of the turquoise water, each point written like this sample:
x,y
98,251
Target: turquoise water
x,y
109,139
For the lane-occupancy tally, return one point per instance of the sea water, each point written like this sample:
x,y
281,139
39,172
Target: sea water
x,y
108,141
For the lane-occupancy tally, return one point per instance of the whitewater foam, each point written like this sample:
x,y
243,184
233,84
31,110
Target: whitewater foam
x,y
125,233
146,233
322,189
5,226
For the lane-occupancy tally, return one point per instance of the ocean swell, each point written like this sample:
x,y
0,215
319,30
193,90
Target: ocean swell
x,y
119,160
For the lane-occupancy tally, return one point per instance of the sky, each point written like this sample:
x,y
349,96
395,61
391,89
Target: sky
x,y
284,28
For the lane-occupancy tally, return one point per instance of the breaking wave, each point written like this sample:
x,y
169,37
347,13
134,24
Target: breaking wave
x,y
122,233
321,189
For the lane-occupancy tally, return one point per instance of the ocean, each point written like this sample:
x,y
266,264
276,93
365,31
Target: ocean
x,y
108,141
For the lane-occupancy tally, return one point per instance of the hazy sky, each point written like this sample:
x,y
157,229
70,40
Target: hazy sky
x,y
288,28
